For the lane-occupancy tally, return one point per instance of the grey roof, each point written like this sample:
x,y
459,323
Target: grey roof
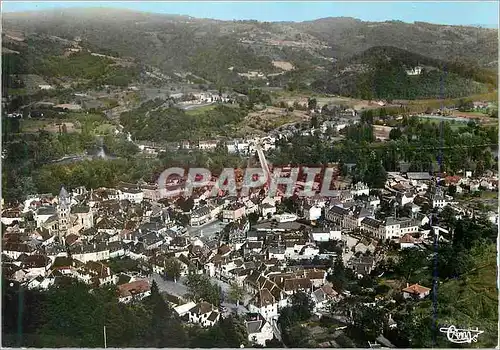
x,y
371,222
80,209
64,199
418,176
255,326
202,211
46,211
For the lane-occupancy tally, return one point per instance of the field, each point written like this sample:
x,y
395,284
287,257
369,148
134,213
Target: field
x,y
74,122
50,125
200,110
273,117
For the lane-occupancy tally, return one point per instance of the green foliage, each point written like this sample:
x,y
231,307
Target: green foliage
x,y
201,289
418,146
291,317
173,269
172,124
78,65
466,302
236,293
386,77
213,59
73,315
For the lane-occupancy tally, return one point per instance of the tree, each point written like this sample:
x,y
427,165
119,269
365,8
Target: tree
x,y
314,121
302,305
186,204
312,103
201,289
340,275
395,134
173,269
253,218
297,336
236,293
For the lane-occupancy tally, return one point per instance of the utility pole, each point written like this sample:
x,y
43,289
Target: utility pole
x,y
105,340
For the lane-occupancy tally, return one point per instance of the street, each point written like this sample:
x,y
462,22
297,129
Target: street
x,y
208,230
177,289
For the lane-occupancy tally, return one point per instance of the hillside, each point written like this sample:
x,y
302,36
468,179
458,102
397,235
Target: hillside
x,y
234,52
386,72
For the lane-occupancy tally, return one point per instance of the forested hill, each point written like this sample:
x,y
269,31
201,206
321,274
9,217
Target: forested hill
x,y
381,72
218,50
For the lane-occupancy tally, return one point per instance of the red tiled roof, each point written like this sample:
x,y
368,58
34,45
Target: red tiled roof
x,y
132,288
407,238
416,289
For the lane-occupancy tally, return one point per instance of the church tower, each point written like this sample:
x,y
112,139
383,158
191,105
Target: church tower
x,y
63,214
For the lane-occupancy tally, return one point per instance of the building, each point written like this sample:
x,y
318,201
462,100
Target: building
x,y
258,329
63,214
325,234
415,291
235,212
200,216
136,290
204,314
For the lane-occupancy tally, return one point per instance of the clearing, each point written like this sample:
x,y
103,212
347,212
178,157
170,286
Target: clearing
x,y
381,132
274,117
50,125
286,66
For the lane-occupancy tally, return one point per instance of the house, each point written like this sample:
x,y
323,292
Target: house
x,y
336,214
362,265
265,304
407,241
204,314
200,216
438,200
312,213
183,309
96,273
322,297
405,198
84,216
134,195
325,234
235,212
267,210
14,249
35,265
258,329
360,189
397,227
11,216
415,291
136,290
373,227
207,145
276,252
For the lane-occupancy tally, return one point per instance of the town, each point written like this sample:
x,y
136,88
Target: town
x,y
173,181
259,250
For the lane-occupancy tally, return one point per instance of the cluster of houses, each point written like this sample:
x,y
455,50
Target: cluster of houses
x,y
50,239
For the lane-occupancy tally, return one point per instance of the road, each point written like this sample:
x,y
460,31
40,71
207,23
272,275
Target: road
x,y
194,106
208,230
174,288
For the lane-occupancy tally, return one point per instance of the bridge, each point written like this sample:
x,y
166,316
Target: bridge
x,y
264,165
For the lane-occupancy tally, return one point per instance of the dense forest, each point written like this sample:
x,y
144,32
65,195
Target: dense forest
x,y
154,122
416,143
73,315
380,73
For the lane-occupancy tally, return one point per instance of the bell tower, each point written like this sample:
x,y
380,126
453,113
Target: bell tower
x,y
63,214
